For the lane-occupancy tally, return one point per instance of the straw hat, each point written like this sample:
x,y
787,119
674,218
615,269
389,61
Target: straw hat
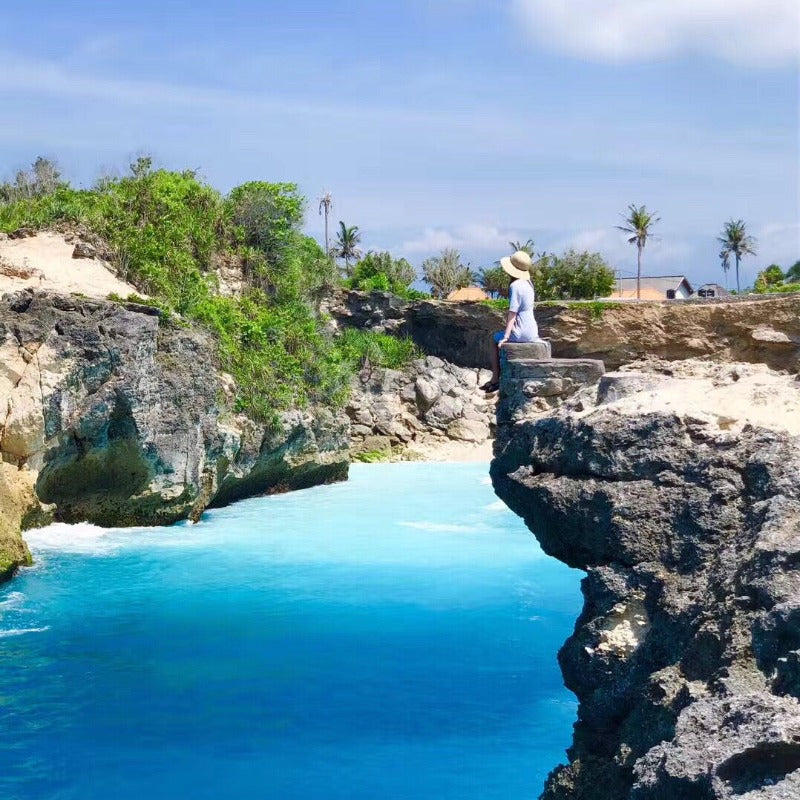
x,y
517,266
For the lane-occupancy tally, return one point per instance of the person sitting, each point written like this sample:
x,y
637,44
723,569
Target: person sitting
x,y
520,322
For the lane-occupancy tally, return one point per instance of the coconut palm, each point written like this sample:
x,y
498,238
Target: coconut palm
x,y
638,226
735,240
347,241
725,263
528,246
325,206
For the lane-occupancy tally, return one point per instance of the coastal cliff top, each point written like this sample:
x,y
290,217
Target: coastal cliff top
x,y
45,261
728,396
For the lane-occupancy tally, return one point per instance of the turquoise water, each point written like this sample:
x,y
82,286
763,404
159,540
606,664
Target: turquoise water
x,y
391,637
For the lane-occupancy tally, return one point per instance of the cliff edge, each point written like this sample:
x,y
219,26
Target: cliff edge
x,y
109,416
676,487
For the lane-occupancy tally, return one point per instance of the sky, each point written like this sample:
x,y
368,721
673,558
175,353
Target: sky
x,y
436,123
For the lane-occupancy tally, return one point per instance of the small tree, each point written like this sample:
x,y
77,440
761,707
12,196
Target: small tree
x,y
445,273
768,279
580,275
379,271
41,179
735,240
494,280
267,216
638,226
347,241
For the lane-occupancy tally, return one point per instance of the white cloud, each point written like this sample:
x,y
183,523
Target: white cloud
x,y
753,32
473,237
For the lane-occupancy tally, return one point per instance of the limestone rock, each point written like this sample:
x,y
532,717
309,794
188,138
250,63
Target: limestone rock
x,y
84,250
123,421
686,657
19,508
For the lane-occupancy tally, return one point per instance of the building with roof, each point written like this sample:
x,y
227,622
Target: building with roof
x,y
653,287
467,294
712,290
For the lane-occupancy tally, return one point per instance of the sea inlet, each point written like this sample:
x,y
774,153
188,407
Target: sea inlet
x,y
394,636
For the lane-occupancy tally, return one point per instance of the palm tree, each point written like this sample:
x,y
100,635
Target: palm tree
x,y
725,261
325,206
347,241
637,225
735,240
527,247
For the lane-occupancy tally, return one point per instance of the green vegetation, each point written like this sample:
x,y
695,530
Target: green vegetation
x,y
372,456
495,281
500,303
445,273
572,276
381,272
358,348
167,229
774,280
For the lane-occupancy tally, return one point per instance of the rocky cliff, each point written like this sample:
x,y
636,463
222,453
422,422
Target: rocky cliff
x,y
676,487
117,419
765,330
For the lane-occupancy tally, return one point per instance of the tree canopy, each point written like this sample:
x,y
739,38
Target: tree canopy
x,y
445,273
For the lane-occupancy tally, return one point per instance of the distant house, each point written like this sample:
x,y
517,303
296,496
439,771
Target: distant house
x,y
712,290
661,287
468,293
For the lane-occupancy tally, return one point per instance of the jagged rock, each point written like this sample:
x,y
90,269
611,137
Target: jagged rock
x,y
426,393
468,430
22,233
123,421
431,397
19,509
84,250
678,494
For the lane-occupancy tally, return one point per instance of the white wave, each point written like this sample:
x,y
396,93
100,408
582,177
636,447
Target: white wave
x,y
498,505
438,527
486,481
21,631
80,538
12,600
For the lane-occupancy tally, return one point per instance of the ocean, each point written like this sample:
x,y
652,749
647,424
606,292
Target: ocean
x,y
391,637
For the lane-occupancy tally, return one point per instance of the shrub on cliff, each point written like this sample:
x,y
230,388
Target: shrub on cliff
x,y
573,276
164,228
381,272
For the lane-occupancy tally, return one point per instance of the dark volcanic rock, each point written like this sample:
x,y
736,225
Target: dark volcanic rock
x,y
686,657
126,421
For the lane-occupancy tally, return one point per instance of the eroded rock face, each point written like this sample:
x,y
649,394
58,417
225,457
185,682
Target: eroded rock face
x,y
430,402
684,511
121,421
765,330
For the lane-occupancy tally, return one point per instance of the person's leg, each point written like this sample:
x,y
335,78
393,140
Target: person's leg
x,y
495,359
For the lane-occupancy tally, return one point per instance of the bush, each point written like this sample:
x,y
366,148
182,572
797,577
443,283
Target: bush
x,y
381,272
358,348
164,229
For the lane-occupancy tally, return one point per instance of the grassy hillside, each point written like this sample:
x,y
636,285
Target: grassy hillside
x,y
165,231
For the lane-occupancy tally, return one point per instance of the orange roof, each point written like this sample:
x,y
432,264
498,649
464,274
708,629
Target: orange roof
x,y
468,293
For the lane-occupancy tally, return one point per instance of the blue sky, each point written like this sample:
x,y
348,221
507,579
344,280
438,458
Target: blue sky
x,y
436,123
